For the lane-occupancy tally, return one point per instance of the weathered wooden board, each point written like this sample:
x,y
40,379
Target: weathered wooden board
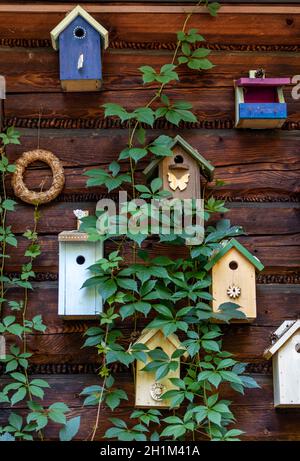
x,y
224,148
36,69
272,302
256,405
245,168
246,342
143,23
211,105
279,254
256,219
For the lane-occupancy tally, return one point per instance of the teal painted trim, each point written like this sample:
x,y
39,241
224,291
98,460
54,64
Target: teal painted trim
x,y
233,243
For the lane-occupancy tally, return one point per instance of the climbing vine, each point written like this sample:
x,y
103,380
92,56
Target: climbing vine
x,y
174,293
15,326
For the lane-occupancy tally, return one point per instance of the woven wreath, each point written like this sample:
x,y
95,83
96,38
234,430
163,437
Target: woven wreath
x,y
29,196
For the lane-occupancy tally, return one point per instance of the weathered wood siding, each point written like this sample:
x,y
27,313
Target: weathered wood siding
x,y
261,170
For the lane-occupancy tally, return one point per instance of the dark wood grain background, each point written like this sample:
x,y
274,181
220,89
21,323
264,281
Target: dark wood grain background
x,y
261,170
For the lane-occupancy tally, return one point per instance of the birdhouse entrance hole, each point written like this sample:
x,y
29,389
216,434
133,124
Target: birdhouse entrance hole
x,y
178,159
80,260
233,265
79,32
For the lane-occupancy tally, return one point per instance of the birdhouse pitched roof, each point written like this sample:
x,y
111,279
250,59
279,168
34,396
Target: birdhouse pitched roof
x,y
281,336
78,11
233,243
206,167
148,333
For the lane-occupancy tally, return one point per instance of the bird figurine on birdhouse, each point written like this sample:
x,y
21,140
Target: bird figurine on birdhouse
x,y
181,172
285,353
148,390
76,255
80,39
233,275
259,101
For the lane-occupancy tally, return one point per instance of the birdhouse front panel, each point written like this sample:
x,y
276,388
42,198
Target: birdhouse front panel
x,y
148,391
181,174
260,102
286,373
80,56
74,259
234,280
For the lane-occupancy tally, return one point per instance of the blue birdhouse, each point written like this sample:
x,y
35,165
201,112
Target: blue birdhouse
x,y
260,101
79,38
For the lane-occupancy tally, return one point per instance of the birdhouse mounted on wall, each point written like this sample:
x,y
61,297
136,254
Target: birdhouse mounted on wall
x,y
76,255
285,352
259,101
148,391
79,38
233,278
181,172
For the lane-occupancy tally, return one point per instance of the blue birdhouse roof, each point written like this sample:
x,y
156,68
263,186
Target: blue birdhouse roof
x,y
78,11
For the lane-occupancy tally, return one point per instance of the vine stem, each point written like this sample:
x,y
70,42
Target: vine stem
x,y
3,221
101,395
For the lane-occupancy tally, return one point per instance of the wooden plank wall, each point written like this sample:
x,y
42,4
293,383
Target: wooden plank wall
x,y
261,170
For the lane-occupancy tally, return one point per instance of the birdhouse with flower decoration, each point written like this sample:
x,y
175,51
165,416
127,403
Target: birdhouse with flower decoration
x,y
181,173
76,255
80,40
233,271
259,101
149,390
285,354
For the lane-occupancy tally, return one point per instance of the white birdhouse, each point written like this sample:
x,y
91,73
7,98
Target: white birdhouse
x,y
285,352
76,255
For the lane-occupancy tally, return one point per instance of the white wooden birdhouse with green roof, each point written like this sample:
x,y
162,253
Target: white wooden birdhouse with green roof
x,y
233,271
181,173
148,390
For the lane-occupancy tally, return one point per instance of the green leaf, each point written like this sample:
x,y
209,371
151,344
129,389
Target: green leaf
x,y
127,284
18,396
69,431
19,377
57,417
39,383
8,204
108,289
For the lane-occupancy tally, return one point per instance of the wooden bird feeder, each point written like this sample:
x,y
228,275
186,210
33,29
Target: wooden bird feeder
x,y
148,390
76,254
259,101
233,278
80,39
285,353
181,172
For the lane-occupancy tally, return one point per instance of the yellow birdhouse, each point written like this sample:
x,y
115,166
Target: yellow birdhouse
x,y
181,172
148,390
233,278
